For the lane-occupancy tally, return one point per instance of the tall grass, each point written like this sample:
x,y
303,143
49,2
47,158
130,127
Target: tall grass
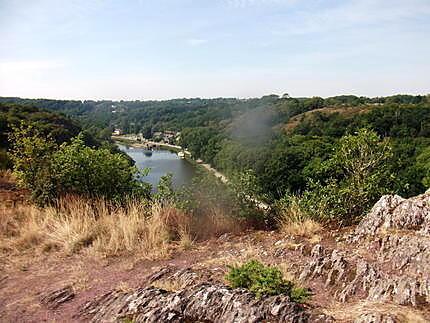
x,y
96,226
99,228
295,222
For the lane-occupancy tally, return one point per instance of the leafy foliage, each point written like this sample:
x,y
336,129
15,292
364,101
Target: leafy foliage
x,y
290,144
49,170
423,164
354,177
264,281
208,193
95,172
57,127
32,159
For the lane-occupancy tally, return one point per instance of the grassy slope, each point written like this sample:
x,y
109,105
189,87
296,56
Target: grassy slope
x,y
345,111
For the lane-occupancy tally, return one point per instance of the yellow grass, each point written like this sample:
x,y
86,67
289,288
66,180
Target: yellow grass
x,y
6,175
293,222
349,312
306,228
123,287
215,222
171,285
185,239
97,227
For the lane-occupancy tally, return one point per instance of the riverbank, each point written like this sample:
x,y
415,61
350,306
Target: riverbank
x,y
138,144
207,167
175,148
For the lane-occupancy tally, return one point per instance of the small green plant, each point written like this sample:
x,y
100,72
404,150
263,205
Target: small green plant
x,y
300,294
264,281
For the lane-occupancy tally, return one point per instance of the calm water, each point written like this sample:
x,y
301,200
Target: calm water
x,y
160,163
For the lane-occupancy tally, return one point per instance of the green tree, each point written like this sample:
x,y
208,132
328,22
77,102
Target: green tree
x,y
95,172
32,159
49,170
423,164
355,178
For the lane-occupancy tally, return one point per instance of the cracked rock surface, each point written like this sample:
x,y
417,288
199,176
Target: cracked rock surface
x,y
391,258
200,303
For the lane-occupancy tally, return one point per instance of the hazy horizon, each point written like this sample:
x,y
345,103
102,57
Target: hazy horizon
x,y
165,49
203,98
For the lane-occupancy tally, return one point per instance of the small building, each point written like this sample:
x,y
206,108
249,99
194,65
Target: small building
x,y
117,132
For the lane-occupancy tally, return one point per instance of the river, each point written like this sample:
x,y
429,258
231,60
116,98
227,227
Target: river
x,y
160,163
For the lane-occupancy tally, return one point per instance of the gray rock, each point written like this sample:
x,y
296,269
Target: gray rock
x,y
55,298
376,318
204,302
395,212
357,276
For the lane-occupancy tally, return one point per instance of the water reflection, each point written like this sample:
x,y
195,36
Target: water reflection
x,y
160,163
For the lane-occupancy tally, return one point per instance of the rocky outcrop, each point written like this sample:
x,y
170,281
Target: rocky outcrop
x,y
390,259
186,276
55,298
395,212
354,276
200,303
376,318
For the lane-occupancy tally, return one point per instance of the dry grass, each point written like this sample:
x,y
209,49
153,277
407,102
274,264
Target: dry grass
x,y
349,312
185,239
237,255
171,285
287,272
123,287
6,175
307,228
215,222
98,228
79,278
94,226
293,222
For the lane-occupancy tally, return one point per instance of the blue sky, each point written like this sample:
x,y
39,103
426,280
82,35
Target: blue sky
x,y
156,49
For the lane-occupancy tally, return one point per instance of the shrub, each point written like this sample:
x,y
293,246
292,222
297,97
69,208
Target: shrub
x,y
49,170
264,280
95,172
300,294
32,160
423,164
355,177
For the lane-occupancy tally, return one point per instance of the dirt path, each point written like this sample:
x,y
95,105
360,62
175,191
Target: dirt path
x,y
216,173
26,278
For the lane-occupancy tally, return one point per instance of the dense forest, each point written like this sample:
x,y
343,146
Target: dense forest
x,y
289,144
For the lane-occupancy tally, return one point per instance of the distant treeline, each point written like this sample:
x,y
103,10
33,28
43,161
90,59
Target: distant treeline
x,y
283,140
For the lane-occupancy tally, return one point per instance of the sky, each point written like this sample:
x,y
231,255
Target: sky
x,y
159,49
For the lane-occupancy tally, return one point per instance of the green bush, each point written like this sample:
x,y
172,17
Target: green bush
x,y
423,164
264,281
355,177
32,161
95,172
49,170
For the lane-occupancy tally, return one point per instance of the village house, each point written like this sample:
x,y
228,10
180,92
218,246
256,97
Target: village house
x,y
117,132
